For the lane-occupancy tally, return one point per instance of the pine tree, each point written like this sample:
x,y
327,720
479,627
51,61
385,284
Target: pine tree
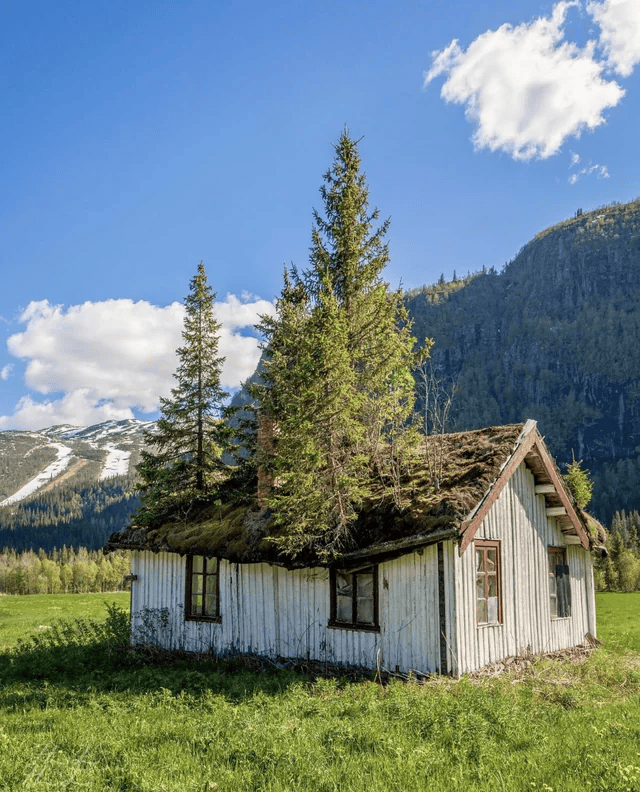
x,y
579,482
337,370
190,436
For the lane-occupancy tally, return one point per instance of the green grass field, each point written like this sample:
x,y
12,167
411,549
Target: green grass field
x,y
618,618
92,718
20,616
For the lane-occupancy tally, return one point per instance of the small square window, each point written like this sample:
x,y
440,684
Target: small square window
x,y
354,598
488,583
202,600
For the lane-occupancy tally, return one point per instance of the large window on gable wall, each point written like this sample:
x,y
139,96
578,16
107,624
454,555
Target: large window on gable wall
x,y
354,598
559,583
488,582
202,597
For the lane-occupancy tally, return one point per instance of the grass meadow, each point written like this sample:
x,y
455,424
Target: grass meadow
x,y
77,712
20,616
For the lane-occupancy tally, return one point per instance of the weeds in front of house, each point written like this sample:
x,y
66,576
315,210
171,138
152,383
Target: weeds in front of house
x,y
210,724
69,647
33,613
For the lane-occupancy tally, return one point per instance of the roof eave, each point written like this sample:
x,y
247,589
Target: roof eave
x,y
529,440
385,551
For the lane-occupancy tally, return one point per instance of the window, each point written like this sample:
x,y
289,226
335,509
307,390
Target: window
x,y
202,599
488,583
354,598
559,583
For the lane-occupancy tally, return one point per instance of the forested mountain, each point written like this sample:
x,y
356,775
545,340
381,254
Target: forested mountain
x,y
555,336
68,485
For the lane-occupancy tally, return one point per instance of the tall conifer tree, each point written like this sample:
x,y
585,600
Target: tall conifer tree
x,y
337,375
190,436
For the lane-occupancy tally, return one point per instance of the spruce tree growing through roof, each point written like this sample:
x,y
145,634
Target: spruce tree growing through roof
x,y
579,482
337,370
190,436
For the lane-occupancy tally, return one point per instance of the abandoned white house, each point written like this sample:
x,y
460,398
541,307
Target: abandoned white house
x,y
494,561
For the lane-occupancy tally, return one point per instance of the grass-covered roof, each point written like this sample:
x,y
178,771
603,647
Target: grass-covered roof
x,y
447,479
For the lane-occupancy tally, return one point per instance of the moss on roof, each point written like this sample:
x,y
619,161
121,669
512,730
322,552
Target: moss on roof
x,y
447,477
446,480
595,530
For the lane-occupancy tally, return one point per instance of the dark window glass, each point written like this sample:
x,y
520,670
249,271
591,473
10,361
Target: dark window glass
x,y
354,598
488,606
344,598
559,583
202,596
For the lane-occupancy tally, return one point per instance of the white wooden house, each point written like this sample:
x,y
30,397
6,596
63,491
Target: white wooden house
x,y
493,562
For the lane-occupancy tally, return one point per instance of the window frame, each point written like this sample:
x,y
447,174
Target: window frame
x,y
207,576
562,581
488,544
354,624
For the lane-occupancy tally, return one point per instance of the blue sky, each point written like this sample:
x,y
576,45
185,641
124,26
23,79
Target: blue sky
x,y
139,138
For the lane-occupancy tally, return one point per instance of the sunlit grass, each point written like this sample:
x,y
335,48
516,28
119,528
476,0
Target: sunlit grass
x,y
118,723
315,737
618,618
20,615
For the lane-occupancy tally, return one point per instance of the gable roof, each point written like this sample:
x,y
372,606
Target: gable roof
x,y
531,449
452,485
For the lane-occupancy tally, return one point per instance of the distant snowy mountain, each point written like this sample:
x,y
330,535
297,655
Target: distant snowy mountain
x,y
68,484
35,462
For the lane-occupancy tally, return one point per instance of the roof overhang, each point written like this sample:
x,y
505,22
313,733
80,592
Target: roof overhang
x,y
531,449
386,551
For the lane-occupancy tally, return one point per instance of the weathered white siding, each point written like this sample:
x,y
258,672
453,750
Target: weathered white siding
x,y
274,612
410,611
518,520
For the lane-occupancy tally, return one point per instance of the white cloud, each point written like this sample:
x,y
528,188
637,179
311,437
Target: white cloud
x,y
619,22
234,312
6,371
78,408
575,159
601,172
107,358
525,88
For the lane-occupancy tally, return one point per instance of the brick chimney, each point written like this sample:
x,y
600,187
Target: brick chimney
x,y
267,429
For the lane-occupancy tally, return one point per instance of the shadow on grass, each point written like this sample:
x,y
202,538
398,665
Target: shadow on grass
x,y
89,657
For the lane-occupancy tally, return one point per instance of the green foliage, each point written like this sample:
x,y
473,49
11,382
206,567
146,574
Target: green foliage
x,y
193,726
620,571
336,378
579,483
191,436
615,485
554,337
62,571
81,513
20,616
69,647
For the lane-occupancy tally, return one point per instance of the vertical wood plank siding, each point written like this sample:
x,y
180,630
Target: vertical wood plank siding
x,y
518,520
274,612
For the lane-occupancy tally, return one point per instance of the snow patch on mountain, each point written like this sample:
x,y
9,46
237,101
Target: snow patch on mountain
x,y
116,463
50,472
107,430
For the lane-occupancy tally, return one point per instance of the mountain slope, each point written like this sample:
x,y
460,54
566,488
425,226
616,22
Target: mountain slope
x,y
554,337
68,484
